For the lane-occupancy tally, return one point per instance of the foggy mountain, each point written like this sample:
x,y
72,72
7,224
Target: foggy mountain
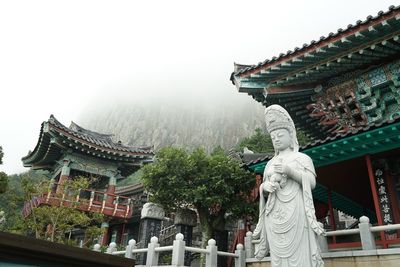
x,y
187,122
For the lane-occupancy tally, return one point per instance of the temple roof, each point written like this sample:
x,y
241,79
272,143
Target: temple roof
x,y
326,85
360,44
129,189
56,139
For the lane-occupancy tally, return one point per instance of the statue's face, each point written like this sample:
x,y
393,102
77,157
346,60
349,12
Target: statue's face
x,y
281,139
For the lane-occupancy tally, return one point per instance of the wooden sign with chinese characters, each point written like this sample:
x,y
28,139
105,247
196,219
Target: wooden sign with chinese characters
x,y
384,200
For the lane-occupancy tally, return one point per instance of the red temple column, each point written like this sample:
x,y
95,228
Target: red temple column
x,y
121,239
375,195
332,220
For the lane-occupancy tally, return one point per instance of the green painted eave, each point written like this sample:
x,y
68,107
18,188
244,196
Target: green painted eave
x,y
349,147
317,62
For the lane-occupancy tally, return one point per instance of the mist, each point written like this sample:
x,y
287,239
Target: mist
x,y
92,61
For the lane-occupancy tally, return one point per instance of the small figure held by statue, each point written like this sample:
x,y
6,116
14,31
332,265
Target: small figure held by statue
x,y
287,225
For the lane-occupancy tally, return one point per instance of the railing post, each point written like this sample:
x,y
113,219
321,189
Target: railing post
x,y
178,251
367,237
115,205
248,245
211,256
152,254
128,251
91,200
322,240
104,202
128,206
63,195
96,247
111,248
241,260
78,195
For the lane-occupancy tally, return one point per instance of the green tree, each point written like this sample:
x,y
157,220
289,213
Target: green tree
x,y
3,175
3,182
47,222
214,185
260,142
12,201
53,222
302,138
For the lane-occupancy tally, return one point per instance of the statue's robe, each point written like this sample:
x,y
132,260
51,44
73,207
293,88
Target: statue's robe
x,y
287,224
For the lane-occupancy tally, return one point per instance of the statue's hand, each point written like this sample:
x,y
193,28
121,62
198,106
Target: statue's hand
x,y
282,168
276,177
269,186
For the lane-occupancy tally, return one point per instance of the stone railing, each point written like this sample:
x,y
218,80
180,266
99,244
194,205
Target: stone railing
x,y
365,231
178,249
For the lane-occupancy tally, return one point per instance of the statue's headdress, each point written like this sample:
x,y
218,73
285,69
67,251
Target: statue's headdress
x,y
276,117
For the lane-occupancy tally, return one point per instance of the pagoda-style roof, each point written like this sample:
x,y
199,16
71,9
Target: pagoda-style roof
x,y
326,85
55,139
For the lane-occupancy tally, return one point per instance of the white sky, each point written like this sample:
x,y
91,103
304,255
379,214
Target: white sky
x,y
58,57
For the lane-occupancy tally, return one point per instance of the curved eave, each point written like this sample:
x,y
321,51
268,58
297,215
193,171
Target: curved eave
x,y
43,148
296,102
101,153
70,140
52,142
104,142
376,42
370,36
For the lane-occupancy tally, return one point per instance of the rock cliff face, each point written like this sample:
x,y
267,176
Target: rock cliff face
x,y
207,123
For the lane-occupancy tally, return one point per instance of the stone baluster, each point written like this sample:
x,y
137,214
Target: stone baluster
x,y
322,240
178,251
211,256
241,260
128,250
97,248
248,245
111,248
367,238
152,254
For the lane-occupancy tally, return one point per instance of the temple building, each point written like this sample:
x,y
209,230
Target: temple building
x,y
68,152
343,92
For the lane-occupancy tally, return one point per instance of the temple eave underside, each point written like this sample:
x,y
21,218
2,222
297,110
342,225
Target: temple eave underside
x,y
337,84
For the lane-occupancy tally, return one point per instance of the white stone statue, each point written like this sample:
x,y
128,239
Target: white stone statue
x,y
287,224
